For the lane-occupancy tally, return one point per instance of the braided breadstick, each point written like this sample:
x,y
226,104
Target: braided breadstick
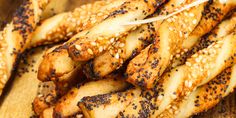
x,y
145,69
101,36
57,64
16,36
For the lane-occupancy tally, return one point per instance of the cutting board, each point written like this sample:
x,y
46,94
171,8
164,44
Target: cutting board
x,y
17,99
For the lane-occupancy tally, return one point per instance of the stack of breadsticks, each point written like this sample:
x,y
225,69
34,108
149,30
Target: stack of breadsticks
x,y
112,64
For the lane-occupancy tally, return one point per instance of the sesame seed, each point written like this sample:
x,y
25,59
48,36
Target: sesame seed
x,y
169,20
185,13
78,47
186,83
178,55
168,106
174,107
185,50
90,51
188,64
176,112
93,43
100,49
117,56
112,40
171,29
180,34
191,14
190,84
195,21
171,111
185,35
160,97
117,34
100,38
121,45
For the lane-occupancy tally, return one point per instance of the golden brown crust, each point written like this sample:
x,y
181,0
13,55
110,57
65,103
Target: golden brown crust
x,y
101,36
17,34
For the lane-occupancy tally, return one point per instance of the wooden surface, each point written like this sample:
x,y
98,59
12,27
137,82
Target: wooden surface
x,y
17,100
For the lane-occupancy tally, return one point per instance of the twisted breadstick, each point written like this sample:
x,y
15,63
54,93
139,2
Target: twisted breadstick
x,y
204,97
101,36
57,65
146,68
224,28
16,36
